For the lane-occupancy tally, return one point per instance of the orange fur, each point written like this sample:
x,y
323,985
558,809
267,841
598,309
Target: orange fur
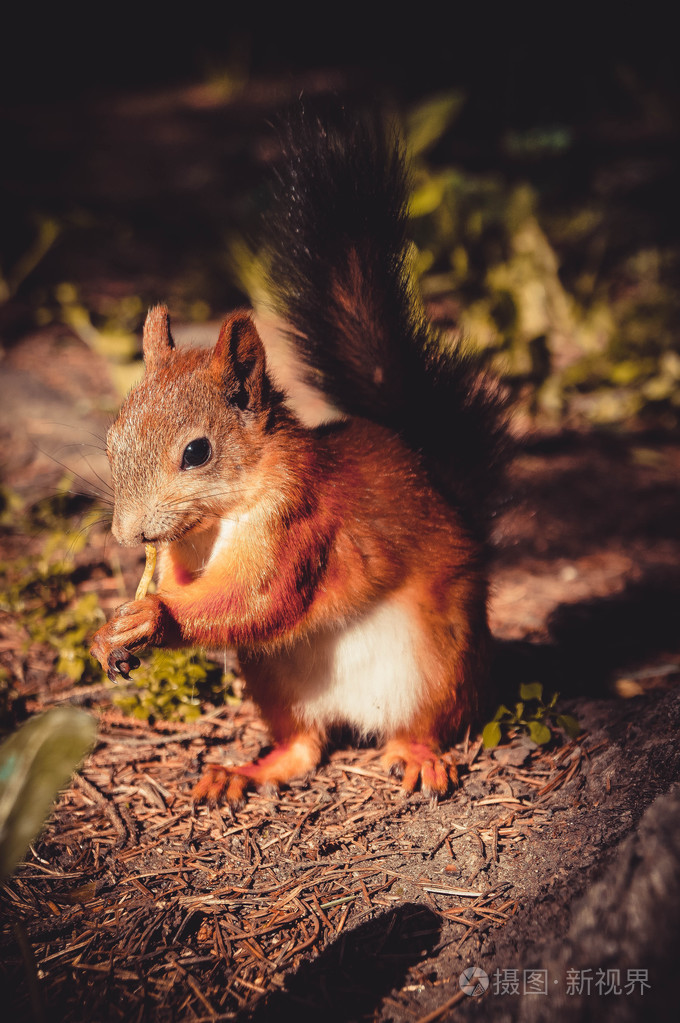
x,y
295,757
295,545
415,761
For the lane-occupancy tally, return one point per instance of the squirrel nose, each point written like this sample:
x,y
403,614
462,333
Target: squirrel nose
x,y
128,539
127,529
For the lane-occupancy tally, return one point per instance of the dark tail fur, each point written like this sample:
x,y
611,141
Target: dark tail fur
x,y
336,251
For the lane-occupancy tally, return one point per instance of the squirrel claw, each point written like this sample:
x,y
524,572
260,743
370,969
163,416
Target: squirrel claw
x,y
121,662
412,762
218,785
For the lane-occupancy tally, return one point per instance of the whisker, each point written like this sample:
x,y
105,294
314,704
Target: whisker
x,y
101,479
95,498
101,440
105,520
93,492
107,486
180,502
77,446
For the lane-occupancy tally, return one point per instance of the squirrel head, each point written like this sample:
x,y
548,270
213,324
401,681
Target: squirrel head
x,y
185,447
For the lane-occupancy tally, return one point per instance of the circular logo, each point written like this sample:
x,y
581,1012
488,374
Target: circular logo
x,y
473,981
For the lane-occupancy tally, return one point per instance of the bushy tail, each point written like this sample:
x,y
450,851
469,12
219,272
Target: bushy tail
x,y
335,249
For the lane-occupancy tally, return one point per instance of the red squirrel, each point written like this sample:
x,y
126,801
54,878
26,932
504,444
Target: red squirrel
x,y
331,526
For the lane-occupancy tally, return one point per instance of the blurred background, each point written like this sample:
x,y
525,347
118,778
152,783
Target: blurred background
x,y
545,155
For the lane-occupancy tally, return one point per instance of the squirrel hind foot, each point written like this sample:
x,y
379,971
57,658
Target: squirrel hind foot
x,y
293,758
412,762
219,785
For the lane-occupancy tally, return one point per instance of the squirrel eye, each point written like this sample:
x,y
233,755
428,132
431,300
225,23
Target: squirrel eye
x,y
197,452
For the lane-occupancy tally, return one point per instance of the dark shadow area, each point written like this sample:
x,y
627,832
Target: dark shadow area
x,y
579,492
351,977
595,639
97,140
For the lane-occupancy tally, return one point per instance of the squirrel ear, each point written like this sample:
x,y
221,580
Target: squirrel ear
x,y
238,361
157,341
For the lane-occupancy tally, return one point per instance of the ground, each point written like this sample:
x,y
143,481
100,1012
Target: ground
x,y
340,898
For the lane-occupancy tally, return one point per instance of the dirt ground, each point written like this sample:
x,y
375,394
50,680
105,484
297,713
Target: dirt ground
x,y
341,899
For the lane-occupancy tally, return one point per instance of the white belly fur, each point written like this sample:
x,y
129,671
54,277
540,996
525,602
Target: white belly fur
x,y
366,675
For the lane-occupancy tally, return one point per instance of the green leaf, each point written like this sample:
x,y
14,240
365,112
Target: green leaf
x,y
426,123
539,732
569,724
531,691
502,712
35,763
491,734
427,197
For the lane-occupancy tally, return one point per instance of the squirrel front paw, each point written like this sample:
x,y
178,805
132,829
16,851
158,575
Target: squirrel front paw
x,y
135,624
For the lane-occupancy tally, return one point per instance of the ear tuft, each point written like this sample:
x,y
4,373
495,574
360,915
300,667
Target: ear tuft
x,y
238,361
157,343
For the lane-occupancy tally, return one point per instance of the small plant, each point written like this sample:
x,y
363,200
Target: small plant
x,y
38,590
39,593
531,715
37,761
172,684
